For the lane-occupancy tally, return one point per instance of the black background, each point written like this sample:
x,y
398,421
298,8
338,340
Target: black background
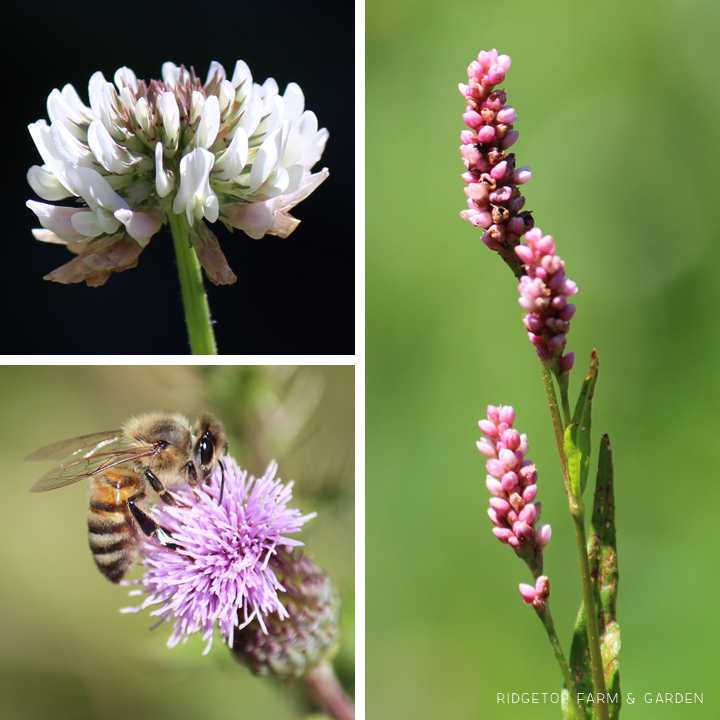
x,y
292,296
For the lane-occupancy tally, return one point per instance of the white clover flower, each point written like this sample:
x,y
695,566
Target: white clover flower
x,y
228,150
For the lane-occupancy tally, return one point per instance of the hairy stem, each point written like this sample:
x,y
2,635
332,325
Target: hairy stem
x,y
195,304
329,694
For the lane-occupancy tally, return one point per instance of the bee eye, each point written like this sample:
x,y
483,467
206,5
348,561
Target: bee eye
x,y
207,450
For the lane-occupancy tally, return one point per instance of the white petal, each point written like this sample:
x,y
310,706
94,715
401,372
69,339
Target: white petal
x,y
170,115
140,225
294,101
215,69
144,116
106,150
254,219
269,88
275,185
230,163
194,195
209,122
266,160
46,184
226,95
73,151
107,221
170,73
163,182
242,76
272,115
95,93
252,115
95,189
86,224
52,157
314,150
75,103
196,106
59,111
125,77
58,219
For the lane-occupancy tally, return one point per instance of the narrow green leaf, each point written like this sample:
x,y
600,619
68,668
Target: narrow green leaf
x,y
602,553
577,434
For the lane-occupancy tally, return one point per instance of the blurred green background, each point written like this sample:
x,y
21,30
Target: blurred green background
x,y
618,108
65,649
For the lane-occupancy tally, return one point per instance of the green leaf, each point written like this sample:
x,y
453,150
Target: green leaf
x,y
577,434
602,553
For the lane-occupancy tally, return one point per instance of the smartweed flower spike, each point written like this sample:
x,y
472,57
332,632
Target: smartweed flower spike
x,y
228,150
544,293
289,647
513,484
222,569
494,199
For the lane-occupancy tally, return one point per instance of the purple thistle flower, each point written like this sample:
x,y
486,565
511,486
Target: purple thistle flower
x,y
513,484
544,292
494,200
220,572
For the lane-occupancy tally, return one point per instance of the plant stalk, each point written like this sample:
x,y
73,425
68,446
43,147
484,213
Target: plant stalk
x,y
577,510
543,613
329,694
195,304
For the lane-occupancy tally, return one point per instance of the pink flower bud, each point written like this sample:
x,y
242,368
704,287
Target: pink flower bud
x,y
489,429
503,534
494,486
487,448
499,171
522,175
486,134
507,414
501,507
529,493
528,593
496,468
527,515
542,536
507,116
567,361
508,459
509,481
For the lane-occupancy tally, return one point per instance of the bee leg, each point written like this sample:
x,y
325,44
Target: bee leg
x,y
150,528
159,488
222,481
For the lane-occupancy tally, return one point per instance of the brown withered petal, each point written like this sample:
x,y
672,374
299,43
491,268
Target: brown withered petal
x,y
95,264
211,257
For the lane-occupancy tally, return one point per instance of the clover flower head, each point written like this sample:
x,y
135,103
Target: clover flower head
x,y
512,481
494,199
544,292
228,150
221,572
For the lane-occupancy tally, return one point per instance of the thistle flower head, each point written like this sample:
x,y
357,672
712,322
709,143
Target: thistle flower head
x,y
289,647
544,292
228,150
221,571
513,483
494,200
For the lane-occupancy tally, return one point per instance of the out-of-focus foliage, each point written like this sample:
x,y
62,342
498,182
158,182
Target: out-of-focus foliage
x,y
618,107
66,651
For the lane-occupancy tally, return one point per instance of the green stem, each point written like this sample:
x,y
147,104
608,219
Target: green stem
x,y
563,381
588,592
543,612
577,510
197,310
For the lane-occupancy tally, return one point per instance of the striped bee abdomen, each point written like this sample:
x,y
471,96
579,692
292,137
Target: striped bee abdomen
x,y
112,533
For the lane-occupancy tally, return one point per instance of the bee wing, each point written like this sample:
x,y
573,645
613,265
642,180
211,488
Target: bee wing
x,y
84,446
84,467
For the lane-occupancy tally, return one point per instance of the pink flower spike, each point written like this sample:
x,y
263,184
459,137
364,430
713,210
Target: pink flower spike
x,y
513,484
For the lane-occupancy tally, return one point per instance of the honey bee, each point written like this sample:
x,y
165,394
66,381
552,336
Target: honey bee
x,y
128,469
